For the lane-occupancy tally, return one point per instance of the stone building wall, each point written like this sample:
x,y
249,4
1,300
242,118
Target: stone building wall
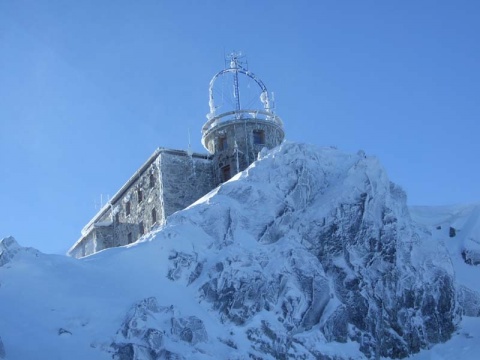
x,y
131,214
184,179
250,135
168,182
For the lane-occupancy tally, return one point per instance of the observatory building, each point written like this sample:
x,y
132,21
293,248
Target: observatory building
x,y
241,122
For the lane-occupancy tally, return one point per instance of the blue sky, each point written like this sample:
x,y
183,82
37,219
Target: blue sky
x,y
89,89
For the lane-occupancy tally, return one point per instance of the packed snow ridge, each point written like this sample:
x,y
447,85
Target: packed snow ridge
x,y
308,254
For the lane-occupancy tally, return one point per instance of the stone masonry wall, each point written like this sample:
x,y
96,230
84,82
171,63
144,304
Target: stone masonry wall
x,y
132,213
221,141
169,184
184,179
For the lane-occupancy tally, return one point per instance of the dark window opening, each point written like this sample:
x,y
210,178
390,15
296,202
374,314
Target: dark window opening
x,y
129,237
127,208
141,228
140,195
117,217
222,143
154,216
152,180
258,137
226,173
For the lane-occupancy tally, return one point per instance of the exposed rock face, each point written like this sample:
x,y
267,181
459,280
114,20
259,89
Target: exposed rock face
x,y
463,224
308,254
469,300
471,256
471,234
150,329
9,248
319,242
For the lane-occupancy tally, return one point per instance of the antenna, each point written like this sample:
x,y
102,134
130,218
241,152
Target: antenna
x,y
224,58
233,70
236,153
189,150
235,65
190,153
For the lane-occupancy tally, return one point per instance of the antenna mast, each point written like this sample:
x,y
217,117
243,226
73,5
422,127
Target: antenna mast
x,y
234,64
189,150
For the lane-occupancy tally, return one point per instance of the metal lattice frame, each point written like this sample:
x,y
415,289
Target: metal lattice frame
x,y
235,69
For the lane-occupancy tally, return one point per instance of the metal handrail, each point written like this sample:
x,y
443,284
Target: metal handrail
x,y
240,115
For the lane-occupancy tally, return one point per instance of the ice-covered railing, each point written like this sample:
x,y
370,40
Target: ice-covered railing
x,y
267,113
235,69
242,115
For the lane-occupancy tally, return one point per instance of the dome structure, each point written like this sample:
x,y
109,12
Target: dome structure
x,y
241,120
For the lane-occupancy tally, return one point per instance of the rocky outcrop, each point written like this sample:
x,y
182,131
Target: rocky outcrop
x,y
149,331
471,254
471,237
9,248
308,254
319,240
469,301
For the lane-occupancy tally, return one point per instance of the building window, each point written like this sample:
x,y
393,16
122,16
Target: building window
x,y
117,217
154,216
140,195
222,143
258,137
152,180
225,173
141,228
127,208
129,237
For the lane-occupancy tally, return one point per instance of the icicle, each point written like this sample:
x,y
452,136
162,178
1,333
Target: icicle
x,y
236,152
265,100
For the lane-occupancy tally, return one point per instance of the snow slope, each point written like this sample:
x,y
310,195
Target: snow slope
x,y
465,220
43,294
458,227
309,253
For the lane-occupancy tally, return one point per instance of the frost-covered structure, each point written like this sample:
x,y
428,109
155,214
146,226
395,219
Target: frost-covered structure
x,y
307,254
170,180
235,135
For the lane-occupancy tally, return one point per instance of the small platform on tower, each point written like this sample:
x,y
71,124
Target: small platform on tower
x,y
241,120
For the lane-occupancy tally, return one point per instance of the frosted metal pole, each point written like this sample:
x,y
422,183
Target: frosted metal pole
x,y
236,92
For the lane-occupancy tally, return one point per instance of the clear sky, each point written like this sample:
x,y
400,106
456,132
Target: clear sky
x,y
89,89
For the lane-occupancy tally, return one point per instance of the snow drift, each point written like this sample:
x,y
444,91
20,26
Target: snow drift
x,y
309,253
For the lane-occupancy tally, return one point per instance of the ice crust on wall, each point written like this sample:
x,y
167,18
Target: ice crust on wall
x,y
309,253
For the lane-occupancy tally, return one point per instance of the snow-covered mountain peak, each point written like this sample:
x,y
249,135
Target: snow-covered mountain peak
x,y
309,253
9,248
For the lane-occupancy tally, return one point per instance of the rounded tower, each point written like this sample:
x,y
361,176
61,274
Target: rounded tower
x,y
241,120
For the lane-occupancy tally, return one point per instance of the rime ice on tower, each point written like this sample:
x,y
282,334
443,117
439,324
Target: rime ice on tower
x,y
241,120
170,180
